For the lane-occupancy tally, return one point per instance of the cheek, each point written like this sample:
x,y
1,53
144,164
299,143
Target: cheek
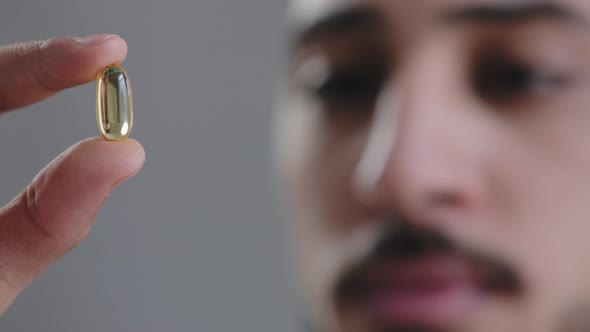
x,y
318,158
541,194
330,178
318,154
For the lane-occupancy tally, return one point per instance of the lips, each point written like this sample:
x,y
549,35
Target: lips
x,y
419,279
433,291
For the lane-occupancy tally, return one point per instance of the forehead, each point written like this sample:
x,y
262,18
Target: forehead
x,y
304,11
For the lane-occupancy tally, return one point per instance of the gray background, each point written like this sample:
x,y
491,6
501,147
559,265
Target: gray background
x,y
197,241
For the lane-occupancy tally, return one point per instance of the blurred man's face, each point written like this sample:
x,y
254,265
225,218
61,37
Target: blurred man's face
x,y
437,157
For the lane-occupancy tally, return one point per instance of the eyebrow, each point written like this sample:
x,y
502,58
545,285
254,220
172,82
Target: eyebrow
x,y
340,22
505,14
355,18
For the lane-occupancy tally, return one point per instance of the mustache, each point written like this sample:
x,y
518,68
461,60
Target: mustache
x,y
402,241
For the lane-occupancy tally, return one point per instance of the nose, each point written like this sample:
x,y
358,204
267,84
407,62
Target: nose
x,y
426,149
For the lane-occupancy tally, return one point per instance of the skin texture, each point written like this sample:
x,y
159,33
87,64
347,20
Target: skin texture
x,y
56,211
496,162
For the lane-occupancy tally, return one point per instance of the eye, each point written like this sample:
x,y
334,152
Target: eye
x,y
343,86
356,85
500,79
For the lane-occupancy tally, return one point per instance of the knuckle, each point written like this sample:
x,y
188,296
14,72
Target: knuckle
x,y
43,70
26,55
23,59
34,61
25,48
40,225
31,212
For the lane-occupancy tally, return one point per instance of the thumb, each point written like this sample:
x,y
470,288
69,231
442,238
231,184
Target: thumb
x,y
56,211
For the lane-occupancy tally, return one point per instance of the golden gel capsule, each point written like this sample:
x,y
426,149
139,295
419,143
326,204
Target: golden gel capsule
x,y
114,105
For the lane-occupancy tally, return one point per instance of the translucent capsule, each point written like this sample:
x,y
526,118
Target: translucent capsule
x,y
114,105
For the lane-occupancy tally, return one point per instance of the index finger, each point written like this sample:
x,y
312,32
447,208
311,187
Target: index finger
x,y
33,71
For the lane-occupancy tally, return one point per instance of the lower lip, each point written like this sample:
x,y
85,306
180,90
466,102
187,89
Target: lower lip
x,y
426,305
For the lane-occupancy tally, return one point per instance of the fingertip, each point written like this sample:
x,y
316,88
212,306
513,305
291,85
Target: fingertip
x,y
33,71
113,47
69,61
124,157
107,45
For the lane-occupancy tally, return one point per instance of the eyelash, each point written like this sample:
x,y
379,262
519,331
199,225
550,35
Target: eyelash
x,y
356,87
498,79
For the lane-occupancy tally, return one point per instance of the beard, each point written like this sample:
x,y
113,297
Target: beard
x,y
404,242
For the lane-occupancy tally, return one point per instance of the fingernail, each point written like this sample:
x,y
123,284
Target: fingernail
x,y
94,39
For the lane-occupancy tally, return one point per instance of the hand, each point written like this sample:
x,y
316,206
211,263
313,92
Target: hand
x,y
56,211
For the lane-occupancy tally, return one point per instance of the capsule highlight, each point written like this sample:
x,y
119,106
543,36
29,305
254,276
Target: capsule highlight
x,y
114,104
